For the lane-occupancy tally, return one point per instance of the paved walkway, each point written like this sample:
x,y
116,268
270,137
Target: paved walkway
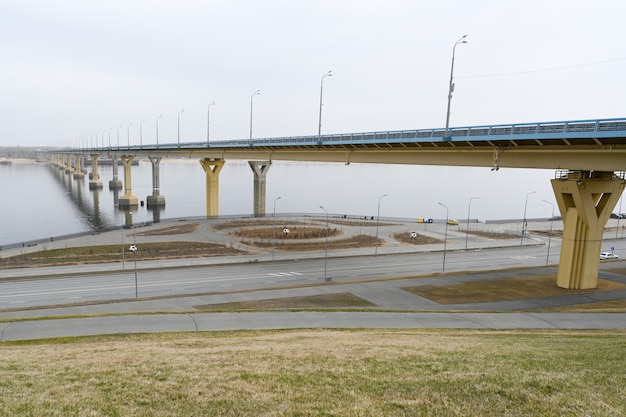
x,y
390,301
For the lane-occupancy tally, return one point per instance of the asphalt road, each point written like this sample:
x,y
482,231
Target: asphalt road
x,y
168,279
183,285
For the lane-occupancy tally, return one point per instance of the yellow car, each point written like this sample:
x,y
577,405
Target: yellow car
x,y
453,222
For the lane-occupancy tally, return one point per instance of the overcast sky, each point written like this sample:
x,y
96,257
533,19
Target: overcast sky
x,y
73,69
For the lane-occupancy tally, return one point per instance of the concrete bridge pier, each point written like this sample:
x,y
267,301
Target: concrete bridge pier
x,y
94,182
67,164
63,166
259,168
586,200
115,183
156,199
212,168
78,172
128,200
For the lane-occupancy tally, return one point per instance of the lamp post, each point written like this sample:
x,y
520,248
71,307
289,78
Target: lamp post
x,y
134,249
157,129
451,87
550,235
118,136
524,226
326,278
619,216
182,111
319,129
377,222
274,228
110,137
208,121
257,92
128,133
123,248
445,239
141,134
469,207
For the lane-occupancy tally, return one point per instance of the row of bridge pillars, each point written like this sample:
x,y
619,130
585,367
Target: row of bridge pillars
x,y
71,164
212,169
585,199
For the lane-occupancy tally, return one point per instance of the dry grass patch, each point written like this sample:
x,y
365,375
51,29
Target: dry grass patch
x,y
295,232
491,235
358,241
617,306
405,237
318,373
113,253
235,224
171,230
504,289
341,300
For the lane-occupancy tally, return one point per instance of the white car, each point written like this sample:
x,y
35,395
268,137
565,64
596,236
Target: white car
x,y
608,255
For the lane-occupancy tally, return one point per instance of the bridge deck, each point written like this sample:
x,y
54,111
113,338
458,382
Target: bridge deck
x,y
580,145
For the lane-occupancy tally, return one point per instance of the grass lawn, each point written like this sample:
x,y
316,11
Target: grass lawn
x,y
318,373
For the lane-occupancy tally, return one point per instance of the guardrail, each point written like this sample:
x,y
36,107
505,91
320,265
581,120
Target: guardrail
x,y
545,130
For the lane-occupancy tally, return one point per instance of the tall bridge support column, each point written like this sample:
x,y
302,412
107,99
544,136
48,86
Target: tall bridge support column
x,y
68,164
586,200
259,168
156,199
78,172
212,168
128,200
95,182
115,183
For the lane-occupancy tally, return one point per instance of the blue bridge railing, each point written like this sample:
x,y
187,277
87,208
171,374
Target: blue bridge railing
x,y
578,129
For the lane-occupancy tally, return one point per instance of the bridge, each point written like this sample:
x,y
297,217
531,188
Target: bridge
x,y
589,157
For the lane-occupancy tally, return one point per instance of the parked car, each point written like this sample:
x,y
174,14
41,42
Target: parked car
x,y
608,255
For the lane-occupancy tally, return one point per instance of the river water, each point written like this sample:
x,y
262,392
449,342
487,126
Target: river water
x,y
38,201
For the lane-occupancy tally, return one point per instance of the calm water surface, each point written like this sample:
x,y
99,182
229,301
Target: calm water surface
x,y
40,201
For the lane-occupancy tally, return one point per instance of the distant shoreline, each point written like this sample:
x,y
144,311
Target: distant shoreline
x,y
17,161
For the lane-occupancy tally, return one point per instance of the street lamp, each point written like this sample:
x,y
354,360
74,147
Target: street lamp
x,y
128,133
326,278
132,248
619,216
274,228
257,92
157,129
118,136
182,111
550,235
208,120
469,207
377,222
141,134
446,136
319,129
110,137
445,239
524,225
123,248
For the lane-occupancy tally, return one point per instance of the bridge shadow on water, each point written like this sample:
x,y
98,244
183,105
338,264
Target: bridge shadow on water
x,y
88,203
